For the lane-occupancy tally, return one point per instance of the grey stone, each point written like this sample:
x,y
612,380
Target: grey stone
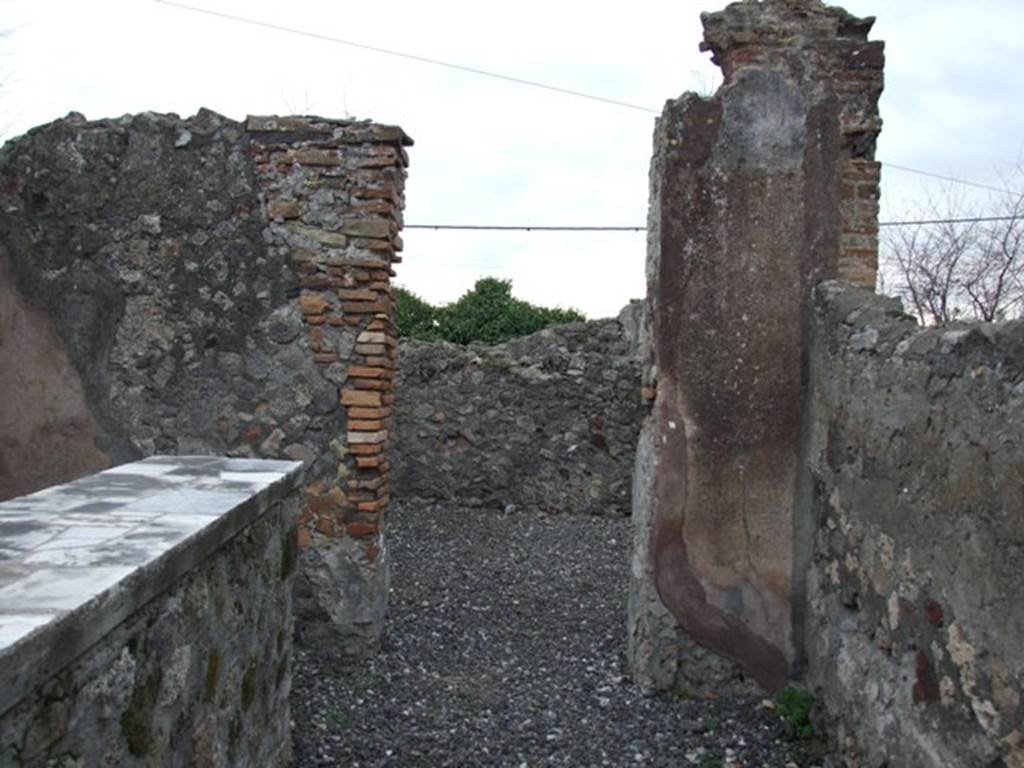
x,y
341,597
512,425
300,452
913,621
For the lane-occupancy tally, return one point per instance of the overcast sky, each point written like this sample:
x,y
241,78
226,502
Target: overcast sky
x,y
489,152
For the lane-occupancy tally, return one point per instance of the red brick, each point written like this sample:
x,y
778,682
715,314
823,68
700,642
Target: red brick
x,y
357,294
370,449
312,304
369,413
317,282
361,529
367,373
377,245
362,398
365,426
364,307
373,506
283,209
316,156
378,384
369,485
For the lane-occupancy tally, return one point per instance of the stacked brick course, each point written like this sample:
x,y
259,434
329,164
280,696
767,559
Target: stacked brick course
x,y
858,247
333,194
858,83
827,49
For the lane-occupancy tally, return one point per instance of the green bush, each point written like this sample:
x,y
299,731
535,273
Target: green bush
x,y
794,706
488,313
414,316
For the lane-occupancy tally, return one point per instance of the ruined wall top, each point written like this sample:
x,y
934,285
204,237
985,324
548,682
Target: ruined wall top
x,y
755,32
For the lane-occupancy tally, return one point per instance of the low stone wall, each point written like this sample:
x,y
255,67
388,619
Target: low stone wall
x,y
548,421
915,618
146,616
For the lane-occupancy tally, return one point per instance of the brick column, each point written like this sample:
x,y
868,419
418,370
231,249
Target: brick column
x,y
333,193
858,245
856,76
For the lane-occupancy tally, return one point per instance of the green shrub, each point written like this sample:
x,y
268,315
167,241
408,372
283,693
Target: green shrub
x,y
414,316
488,313
794,706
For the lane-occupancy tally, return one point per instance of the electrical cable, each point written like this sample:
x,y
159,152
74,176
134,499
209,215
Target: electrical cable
x,y
499,76
524,228
409,56
585,228
953,179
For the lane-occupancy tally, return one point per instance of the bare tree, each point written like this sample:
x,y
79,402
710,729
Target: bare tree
x,y
967,265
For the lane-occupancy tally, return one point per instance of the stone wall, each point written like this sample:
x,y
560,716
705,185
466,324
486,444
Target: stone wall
x,y
146,617
757,194
547,422
915,618
201,286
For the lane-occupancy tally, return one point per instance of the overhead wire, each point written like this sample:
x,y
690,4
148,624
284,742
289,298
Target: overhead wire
x,y
525,227
584,228
409,56
503,77
954,179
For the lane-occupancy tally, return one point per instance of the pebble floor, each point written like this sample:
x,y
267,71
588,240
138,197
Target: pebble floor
x,y
505,647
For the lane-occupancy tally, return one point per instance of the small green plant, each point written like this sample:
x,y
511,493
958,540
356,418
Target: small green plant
x,y
337,719
794,705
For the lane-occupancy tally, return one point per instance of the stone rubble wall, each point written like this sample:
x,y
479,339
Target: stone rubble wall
x,y
212,287
198,676
546,422
915,618
757,194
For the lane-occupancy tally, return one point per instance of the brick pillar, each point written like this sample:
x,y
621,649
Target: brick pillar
x,y
858,248
757,194
333,193
857,77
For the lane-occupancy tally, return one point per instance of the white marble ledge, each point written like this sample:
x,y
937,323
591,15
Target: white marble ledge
x,y
67,545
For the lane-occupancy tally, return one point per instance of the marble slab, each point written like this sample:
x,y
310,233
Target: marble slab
x,y
106,543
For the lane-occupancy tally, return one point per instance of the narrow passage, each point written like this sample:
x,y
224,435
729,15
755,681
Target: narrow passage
x,y
505,647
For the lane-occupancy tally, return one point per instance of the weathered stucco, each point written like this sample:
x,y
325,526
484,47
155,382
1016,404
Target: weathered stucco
x,y
915,619
747,214
45,418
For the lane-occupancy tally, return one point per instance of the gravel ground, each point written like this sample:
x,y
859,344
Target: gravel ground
x,y
505,647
